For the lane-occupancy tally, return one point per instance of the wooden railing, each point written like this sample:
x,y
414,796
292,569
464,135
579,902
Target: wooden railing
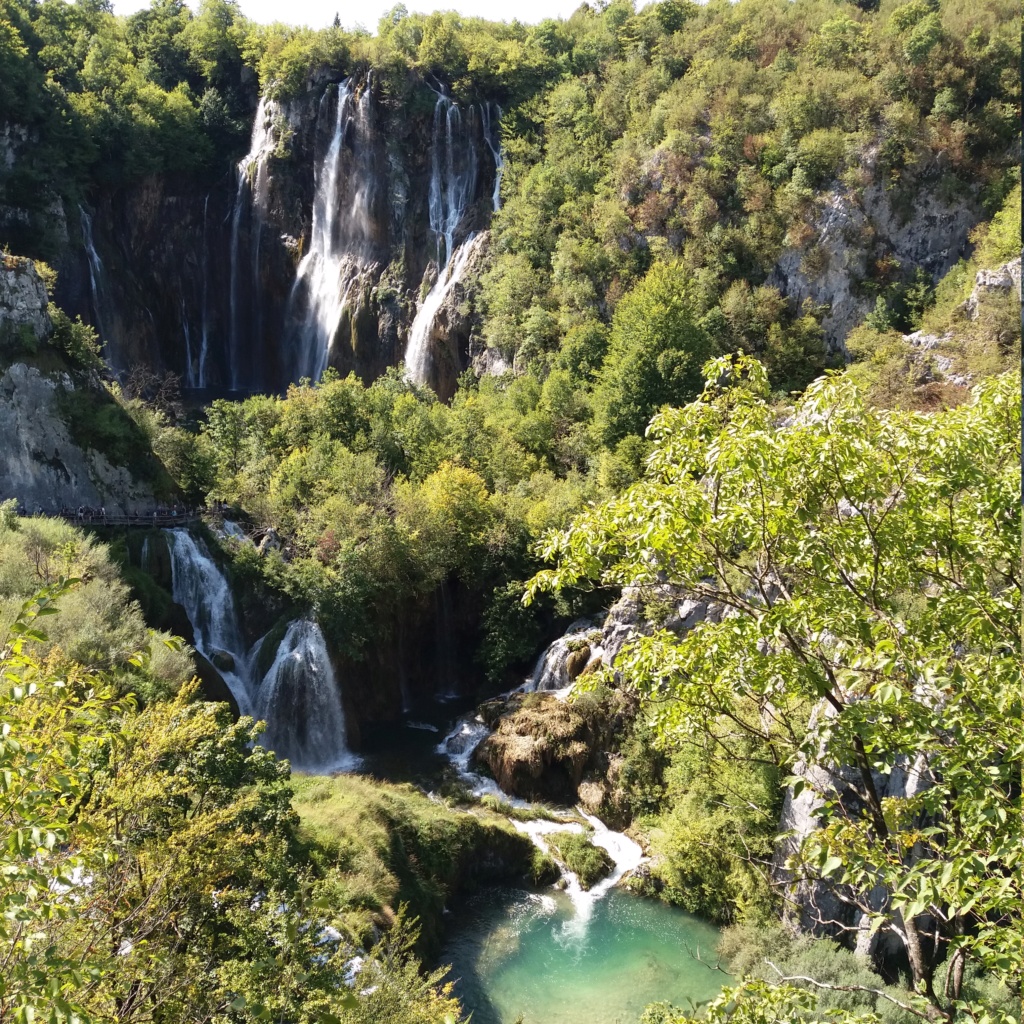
x,y
148,520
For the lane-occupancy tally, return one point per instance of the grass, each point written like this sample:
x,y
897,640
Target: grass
x,y
589,863
387,845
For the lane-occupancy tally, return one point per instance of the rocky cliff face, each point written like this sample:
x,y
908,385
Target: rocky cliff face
x,y
851,230
50,459
320,249
822,908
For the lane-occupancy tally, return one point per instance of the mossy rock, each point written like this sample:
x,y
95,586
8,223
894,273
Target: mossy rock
x,y
577,660
589,863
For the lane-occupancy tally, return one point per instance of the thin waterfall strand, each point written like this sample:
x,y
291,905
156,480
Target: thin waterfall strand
x,y
251,176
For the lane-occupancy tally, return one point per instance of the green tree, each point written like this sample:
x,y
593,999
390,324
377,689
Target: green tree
x,y
866,563
655,353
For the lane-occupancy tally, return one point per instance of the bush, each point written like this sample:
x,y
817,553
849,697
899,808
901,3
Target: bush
x,y
589,863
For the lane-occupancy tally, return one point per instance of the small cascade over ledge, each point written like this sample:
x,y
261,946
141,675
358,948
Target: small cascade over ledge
x,y
200,587
299,698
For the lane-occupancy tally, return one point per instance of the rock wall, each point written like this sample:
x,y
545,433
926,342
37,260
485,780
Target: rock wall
x,y
849,231
186,268
46,461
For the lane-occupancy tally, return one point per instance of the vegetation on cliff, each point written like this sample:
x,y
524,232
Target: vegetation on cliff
x,y
868,565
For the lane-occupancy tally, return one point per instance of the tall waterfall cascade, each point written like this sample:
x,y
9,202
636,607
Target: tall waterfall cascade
x,y
454,170
339,246
299,698
97,288
252,182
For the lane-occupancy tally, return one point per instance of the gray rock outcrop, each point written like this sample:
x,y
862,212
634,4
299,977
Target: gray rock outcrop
x,y
823,908
43,465
23,301
848,231
1004,280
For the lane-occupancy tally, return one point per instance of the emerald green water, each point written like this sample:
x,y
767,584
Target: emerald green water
x,y
514,952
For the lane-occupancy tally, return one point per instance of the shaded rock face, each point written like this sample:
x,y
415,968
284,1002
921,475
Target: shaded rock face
x,y
420,652
23,301
848,231
822,908
215,284
43,465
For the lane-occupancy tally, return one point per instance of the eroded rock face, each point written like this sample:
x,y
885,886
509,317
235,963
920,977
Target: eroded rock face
x,y
23,300
43,465
848,231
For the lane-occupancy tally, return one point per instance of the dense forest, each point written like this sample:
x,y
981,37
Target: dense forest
x,y
735,406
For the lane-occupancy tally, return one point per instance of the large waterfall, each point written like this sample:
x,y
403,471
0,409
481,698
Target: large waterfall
x,y
299,698
244,305
341,236
454,169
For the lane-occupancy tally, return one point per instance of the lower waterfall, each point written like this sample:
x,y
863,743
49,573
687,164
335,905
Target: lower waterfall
x,y
299,698
300,701
202,590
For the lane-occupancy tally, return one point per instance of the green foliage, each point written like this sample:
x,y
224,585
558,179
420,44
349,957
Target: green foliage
x,y
589,863
713,843
150,862
392,846
100,627
77,340
654,356
868,560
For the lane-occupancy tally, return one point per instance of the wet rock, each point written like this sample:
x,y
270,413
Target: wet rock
x,y
577,661
223,661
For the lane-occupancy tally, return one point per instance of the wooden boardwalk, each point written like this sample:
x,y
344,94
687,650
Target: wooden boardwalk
x,y
149,521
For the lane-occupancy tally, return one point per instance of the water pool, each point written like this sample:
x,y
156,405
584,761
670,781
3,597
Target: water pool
x,y
517,953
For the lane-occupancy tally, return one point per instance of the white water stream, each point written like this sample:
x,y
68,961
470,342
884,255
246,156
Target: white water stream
x,y
299,697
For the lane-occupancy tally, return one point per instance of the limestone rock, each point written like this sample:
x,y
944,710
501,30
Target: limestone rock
x,y
43,465
1003,280
23,301
848,230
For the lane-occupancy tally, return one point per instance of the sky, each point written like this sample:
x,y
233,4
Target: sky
x,y
318,13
